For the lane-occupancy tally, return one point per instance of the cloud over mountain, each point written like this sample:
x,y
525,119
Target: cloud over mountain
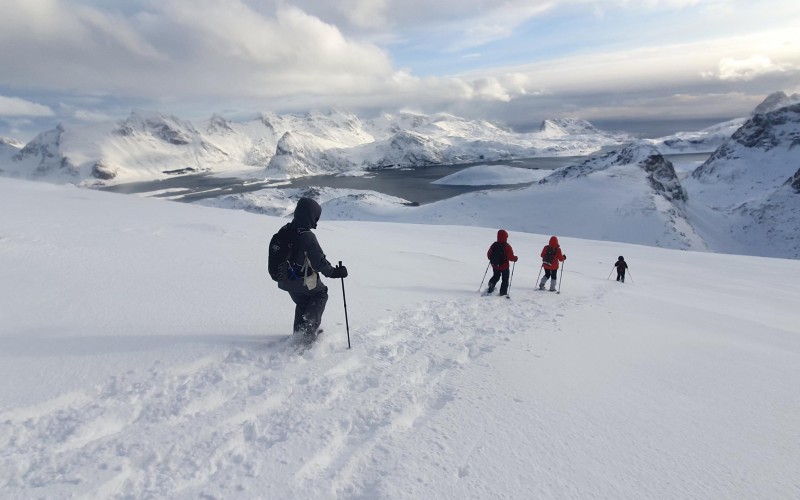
x,y
515,62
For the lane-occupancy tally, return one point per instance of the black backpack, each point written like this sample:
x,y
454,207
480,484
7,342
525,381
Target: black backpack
x,y
280,250
549,255
497,255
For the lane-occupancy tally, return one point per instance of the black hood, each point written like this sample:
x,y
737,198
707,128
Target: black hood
x,y
307,213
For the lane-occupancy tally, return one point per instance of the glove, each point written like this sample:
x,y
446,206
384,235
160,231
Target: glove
x,y
515,258
339,272
565,256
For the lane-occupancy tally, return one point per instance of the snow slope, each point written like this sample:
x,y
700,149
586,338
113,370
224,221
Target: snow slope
x,y
143,353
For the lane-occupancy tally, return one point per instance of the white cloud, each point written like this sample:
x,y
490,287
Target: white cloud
x,y
364,13
83,114
182,48
670,107
489,89
664,67
14,106
271,54
498,23
750,68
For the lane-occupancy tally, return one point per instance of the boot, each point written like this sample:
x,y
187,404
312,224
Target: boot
x,y
541,284
552,285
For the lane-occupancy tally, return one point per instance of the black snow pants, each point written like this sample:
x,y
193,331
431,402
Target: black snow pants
x,y
497,275
309,305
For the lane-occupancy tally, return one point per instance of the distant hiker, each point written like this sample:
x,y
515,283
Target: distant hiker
x,y
499,254
551,256
621,266
297,272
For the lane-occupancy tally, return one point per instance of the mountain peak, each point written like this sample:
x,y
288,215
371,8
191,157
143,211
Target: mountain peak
x,y
167,128
775,101
755,161
567,126
766,131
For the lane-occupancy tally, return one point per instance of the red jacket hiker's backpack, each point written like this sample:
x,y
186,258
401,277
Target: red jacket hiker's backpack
x,y
497,256
549,255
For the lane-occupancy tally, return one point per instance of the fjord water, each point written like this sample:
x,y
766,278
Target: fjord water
x,y
410,183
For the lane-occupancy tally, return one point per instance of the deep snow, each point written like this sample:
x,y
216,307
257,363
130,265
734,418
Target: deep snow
x,y
143,353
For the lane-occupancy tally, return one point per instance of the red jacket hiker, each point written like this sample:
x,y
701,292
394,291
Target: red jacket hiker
x,y
555,256
551,256
499,258
502,237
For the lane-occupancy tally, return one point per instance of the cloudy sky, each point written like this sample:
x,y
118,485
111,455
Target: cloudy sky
x,y
514,62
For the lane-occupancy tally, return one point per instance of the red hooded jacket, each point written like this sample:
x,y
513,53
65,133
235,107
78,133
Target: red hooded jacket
x,y
559,256
502,237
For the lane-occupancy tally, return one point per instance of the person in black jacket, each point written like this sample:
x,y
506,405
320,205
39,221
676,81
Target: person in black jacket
x,y
306,262
621,266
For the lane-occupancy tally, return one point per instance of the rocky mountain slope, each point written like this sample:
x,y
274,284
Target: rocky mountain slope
x,y
750,186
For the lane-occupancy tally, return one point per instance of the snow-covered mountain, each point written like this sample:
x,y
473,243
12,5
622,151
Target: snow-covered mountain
x,y
149,145
141,147
638,188
410,139
8,148
775,101
631,195
757,159
701,141
567,126
744,199
660,172
749,186
741,200
711,138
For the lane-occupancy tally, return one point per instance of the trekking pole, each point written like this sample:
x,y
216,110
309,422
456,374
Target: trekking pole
x,y
563,265
511,279
609,274
346,323
540,273
629,274
484,276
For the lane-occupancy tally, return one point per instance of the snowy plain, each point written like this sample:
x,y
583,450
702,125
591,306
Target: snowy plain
x,y
144,354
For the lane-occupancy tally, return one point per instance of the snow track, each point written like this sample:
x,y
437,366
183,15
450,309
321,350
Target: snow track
x,y
229,420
